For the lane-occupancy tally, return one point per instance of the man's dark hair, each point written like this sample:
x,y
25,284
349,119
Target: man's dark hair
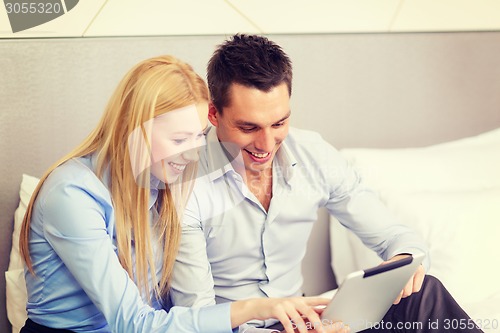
x,y
249,60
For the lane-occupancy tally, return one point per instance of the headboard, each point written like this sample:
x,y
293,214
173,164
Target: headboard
x,y
370,90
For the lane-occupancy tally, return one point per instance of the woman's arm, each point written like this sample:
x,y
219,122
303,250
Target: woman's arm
x,y
78,223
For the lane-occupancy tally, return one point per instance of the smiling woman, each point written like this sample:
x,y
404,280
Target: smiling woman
x,y
79,207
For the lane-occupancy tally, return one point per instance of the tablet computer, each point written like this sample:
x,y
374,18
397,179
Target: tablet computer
x,y
364,297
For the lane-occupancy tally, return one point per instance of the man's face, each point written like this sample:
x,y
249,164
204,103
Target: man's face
x,y
256,121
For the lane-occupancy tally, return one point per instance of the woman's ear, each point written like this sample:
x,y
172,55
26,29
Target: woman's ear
x,y
213,114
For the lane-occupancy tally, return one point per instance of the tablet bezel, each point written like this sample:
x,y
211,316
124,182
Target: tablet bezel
x,y
383,283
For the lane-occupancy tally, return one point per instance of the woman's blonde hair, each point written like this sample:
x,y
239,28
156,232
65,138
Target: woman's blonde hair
x,y
151,88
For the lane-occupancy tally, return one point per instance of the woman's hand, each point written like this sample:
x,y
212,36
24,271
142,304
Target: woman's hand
x,y
296,314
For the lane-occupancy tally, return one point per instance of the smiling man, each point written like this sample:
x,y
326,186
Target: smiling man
x,y
247,223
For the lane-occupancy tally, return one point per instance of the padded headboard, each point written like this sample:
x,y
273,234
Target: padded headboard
x,y
370,90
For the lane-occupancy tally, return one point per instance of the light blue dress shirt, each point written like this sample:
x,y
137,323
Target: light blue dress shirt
x,y
232,248
79,283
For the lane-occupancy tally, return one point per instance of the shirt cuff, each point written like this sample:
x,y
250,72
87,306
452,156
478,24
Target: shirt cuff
x,y
216,317
245,328
415,250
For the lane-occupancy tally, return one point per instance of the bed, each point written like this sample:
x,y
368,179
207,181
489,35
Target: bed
x,y
418,114
450,194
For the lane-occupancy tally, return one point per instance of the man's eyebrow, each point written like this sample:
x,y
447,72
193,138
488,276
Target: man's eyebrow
x,y
247,123
285,117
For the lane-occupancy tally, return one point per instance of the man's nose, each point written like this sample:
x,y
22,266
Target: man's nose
x,y
265,141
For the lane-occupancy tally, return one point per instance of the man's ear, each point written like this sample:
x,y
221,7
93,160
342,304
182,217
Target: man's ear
x,y
213,114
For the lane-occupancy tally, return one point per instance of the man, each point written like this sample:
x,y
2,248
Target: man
x,y
248,220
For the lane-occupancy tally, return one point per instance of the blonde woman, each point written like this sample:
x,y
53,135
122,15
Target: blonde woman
x,y
101,232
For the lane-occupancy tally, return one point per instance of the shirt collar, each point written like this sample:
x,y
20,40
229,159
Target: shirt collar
x,y
286,162
217,156
154,183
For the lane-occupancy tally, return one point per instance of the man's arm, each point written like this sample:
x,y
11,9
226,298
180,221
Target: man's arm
x,y
192,282
361,210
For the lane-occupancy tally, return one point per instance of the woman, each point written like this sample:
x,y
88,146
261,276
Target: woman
x,y
107,215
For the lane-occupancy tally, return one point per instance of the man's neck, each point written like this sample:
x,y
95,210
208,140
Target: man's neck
x,y
260,183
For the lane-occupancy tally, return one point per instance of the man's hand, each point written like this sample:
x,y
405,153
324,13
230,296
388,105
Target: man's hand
x,y
414,284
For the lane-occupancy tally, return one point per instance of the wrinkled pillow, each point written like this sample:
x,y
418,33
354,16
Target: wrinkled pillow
x,y
463,165
16,295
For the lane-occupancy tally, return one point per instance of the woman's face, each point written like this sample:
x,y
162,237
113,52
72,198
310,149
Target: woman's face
x,y
175,140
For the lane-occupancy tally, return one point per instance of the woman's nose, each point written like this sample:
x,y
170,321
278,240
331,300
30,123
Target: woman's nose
x,y
191,154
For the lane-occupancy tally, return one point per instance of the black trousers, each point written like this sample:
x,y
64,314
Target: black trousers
x,y
31,327
431,310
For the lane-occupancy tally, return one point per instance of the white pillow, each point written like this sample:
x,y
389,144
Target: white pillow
x,y
16,295
450,194
462,230
466,164
487,138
